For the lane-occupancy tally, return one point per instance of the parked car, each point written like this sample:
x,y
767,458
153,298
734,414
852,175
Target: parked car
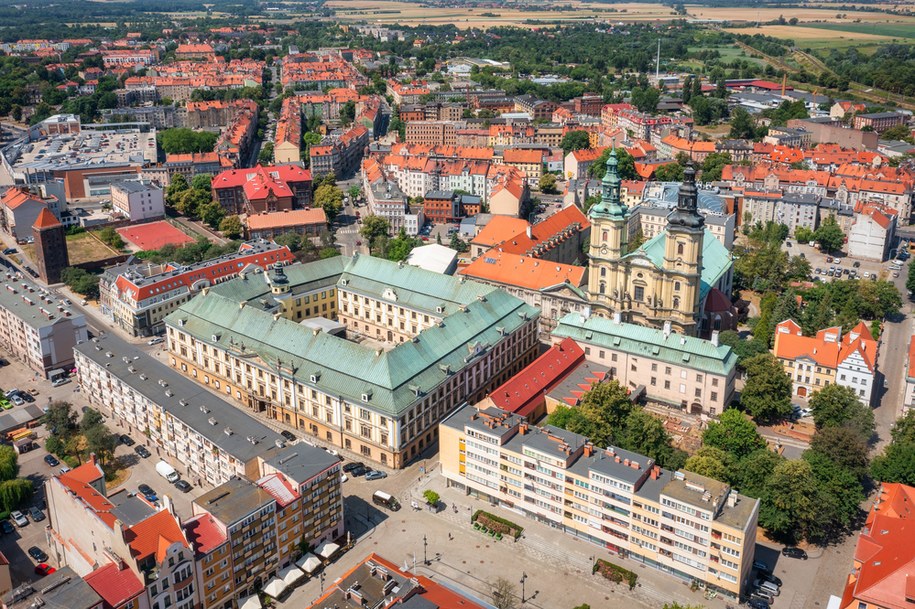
x,y
126,440
806,412
15,399
769,577
19,518
758,603
38,554
65,469
360,470
9,250
183,486
43,569
288,435
141,450
51,460
61,381
7,527
155,341
791,552
36,514
148,493
352,465
375,475
26,396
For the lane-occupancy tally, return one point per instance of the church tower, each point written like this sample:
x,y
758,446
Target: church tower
x,y
609,242
680,292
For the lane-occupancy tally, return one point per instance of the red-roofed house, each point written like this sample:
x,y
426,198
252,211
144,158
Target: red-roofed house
x,y
119,587
883,573
829,357
557,238
263,189
528,161
20,209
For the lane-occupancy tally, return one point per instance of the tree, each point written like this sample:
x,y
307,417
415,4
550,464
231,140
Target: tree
x,y
803,234
838,406
330,199
575,140
752,473
767,392
646,99
399,247
547,183
789,506
672,172
839,497
231,227
844,447
645,434
373,227
211,212
176,188
81,281
101,441
829,235
625,165
571,419
110,237
181,140
458,244
60,419
733,433
191,202
14,493
348,112
431,497
503,594
709,461
798,269
9,462
742,126
354,192
91,418
713,164
265,156
202,181
910,280
743,349
895,464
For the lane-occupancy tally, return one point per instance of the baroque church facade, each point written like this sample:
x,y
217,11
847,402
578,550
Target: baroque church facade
x,y
681,279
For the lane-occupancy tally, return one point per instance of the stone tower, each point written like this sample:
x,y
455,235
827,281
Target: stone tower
x,y
50,246
683,256
609,241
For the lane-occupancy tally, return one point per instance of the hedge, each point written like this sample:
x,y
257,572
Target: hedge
x,y
511,528
615,573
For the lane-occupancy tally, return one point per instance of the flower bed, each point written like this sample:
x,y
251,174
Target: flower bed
x,y
615,573
498,526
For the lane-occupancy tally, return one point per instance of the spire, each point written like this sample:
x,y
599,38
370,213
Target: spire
x,y
687,214
610,204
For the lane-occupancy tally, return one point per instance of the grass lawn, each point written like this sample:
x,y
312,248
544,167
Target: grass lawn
x,y
83,247
895,30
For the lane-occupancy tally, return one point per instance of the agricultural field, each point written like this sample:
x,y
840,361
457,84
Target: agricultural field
x,y
813,37
894,30
803,14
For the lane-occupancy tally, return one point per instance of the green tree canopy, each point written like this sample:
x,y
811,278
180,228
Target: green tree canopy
x,y
329,198
231,227
625,165
839,406
547,183
202,181
575,140
15,493
9,462
181,140
753,471
766,393
374,227
790,505
733,433
829,235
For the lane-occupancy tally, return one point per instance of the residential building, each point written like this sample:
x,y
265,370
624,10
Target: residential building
x,y
539,109
813,362
36,327
908,398
263,189
508,198
90,529
376,582
138,200
340,154
287,146
20,211
674,370
195,51
841,108
137,297
881,573
193,163
666,279
527,160
159,117
50,239
577,163
689,526
382,402
557,238
430,133
878,121
798,210
268,225
62,589
873,232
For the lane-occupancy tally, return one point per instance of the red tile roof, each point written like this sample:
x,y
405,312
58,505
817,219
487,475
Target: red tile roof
x,y
115,585
521,271
829,348
204,534
287,218
154,536
45,219
14,197
78,481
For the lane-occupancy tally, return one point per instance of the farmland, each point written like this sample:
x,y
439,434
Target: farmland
x,y
810,36
892,30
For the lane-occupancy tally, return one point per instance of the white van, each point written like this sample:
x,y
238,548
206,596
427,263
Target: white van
x,y
167,471
767,587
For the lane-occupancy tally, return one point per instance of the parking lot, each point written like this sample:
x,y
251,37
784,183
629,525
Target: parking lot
x,y
845,263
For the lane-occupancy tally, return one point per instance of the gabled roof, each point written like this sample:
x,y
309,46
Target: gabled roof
x,y
828,348
78,482
517,270
154,536
116,585
204,534
15,197
45,220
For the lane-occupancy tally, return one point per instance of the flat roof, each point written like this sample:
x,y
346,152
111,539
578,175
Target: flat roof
x,y
302,461
63,589
34,305
233,500
135,186
232,430
88,149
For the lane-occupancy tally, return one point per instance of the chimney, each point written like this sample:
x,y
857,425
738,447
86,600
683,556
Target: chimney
x,y
666,329
589,450
655,472
618,317
528,231
616,458
715,337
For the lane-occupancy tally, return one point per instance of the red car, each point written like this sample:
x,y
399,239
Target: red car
x,y
44,568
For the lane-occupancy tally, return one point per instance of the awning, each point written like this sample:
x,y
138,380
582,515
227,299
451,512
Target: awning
x,y
291,575
275,587
326,550
251,602
309,562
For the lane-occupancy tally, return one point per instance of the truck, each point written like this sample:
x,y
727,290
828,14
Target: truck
x,y
167,471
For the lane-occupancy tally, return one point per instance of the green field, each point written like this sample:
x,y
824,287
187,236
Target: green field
x,y
895,30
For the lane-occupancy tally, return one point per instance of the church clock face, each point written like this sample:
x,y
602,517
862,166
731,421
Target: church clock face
x,y
604,250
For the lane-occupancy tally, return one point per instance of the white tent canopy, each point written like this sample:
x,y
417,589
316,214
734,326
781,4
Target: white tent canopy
x,y
327,549
291,575
251,602
275,587
309,562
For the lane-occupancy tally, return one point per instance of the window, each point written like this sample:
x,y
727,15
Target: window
x,y
676,286
603,288
603,271
639,293
679,249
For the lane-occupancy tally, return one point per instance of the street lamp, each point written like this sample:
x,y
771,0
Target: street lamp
x,y
425,543
322,582
523,579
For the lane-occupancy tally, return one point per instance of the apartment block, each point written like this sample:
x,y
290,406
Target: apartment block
x,y
36,327
689,526
417,344
263,189
878,121
430,133
685,372
203,436
138,200
813,362
137,297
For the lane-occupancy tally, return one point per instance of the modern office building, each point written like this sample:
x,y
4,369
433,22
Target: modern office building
x,y
687,525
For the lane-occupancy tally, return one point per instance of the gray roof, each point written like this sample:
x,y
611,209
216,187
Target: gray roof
x,y
129,508
439,194
186,391
30,303
302,461
880,115
63,589
135,186
233,500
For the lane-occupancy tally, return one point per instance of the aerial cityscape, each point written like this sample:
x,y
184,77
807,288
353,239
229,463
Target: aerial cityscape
x,y
457,304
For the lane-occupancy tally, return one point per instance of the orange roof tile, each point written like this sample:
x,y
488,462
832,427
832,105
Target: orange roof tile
x,y
286,218
154,536
45,220
522,271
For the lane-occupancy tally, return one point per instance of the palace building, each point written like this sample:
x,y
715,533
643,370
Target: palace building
x,y
670,277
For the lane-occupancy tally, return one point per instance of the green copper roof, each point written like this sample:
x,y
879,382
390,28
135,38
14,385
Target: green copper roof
x,y
348,369
610,204
716,260
648,342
